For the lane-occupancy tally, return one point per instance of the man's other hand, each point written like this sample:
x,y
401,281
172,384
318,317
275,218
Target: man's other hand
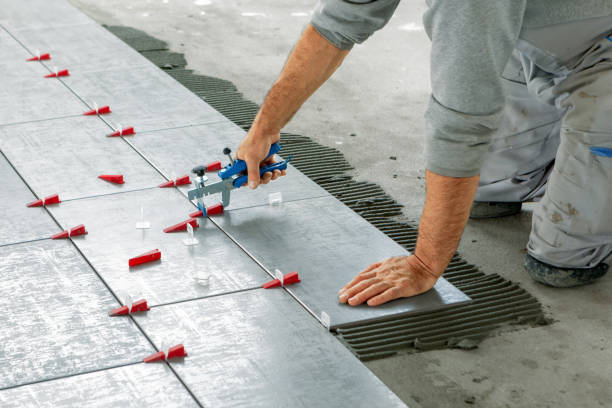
x,y
393,278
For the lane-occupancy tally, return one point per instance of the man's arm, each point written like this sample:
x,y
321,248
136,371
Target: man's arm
x,y
310,64
447,207
336,26
471,43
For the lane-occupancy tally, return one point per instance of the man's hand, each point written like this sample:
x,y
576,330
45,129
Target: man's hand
x,y
447,207
391,279
253,150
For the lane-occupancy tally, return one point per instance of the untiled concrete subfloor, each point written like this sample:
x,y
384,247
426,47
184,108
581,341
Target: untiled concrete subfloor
x,y
380,94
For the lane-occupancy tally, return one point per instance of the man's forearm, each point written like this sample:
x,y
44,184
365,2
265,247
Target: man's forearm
x,y
447,208
310,64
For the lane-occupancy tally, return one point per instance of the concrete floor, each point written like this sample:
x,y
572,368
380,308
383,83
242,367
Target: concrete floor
x,y
380,94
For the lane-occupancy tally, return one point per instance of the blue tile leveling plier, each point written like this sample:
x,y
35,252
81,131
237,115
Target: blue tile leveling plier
x,y
234,175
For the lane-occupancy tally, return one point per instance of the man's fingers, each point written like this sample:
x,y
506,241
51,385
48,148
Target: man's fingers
x,y
384,297
371,267
367,274
367,293
358,287
268,161
276,174
265,178
253,170
269,176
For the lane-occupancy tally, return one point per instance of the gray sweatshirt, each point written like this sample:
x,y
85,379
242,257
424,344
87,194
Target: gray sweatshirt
x,y
472,41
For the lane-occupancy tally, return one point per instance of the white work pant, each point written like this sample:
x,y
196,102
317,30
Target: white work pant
x,y
554,145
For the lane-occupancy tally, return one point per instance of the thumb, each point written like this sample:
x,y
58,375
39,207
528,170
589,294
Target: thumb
x,y
253,170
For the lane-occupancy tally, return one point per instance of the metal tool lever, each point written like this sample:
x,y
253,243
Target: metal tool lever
x,y
228,152
238,166
241,180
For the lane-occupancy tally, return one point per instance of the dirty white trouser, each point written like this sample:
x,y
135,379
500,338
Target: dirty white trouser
x,y
555,147
523,149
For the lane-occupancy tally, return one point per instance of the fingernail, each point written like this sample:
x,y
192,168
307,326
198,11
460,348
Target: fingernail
x,y
252,185
343,297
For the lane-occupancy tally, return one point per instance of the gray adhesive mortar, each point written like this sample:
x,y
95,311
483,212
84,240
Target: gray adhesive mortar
x,y
497,302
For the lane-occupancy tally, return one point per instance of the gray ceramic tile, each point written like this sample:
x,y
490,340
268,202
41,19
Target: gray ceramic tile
x,y
262,349
327,244
177,151
16,14
26,95
54,316
11,50
113,239
96,49
132,386
18,222
143,97
66,156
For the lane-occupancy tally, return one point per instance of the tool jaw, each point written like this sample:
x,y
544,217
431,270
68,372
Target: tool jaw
x,y
202,190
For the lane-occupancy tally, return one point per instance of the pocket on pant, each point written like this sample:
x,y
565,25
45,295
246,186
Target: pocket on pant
x,y
590,100
581,184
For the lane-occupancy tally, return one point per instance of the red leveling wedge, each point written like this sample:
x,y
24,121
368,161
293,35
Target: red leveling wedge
x,y
182,226
62,73
123,132
214,209
166,184
214,166
288,279
169,183
150,256
73,232
137,306
100,111
78,230
181,181
52,199
197,214
61,235
173,352
41,57
112,178
37,203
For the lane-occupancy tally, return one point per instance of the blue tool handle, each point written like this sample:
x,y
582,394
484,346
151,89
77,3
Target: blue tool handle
x,y
240,181
240,165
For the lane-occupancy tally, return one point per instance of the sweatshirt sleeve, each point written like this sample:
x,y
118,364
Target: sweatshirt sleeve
x,y
346,22
471,43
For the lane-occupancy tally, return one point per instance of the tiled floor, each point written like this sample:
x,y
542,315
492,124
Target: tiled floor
x,y
247,346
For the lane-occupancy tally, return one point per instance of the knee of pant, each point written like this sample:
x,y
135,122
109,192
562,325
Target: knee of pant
x,y
579,191
558,247
589,101
584,159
